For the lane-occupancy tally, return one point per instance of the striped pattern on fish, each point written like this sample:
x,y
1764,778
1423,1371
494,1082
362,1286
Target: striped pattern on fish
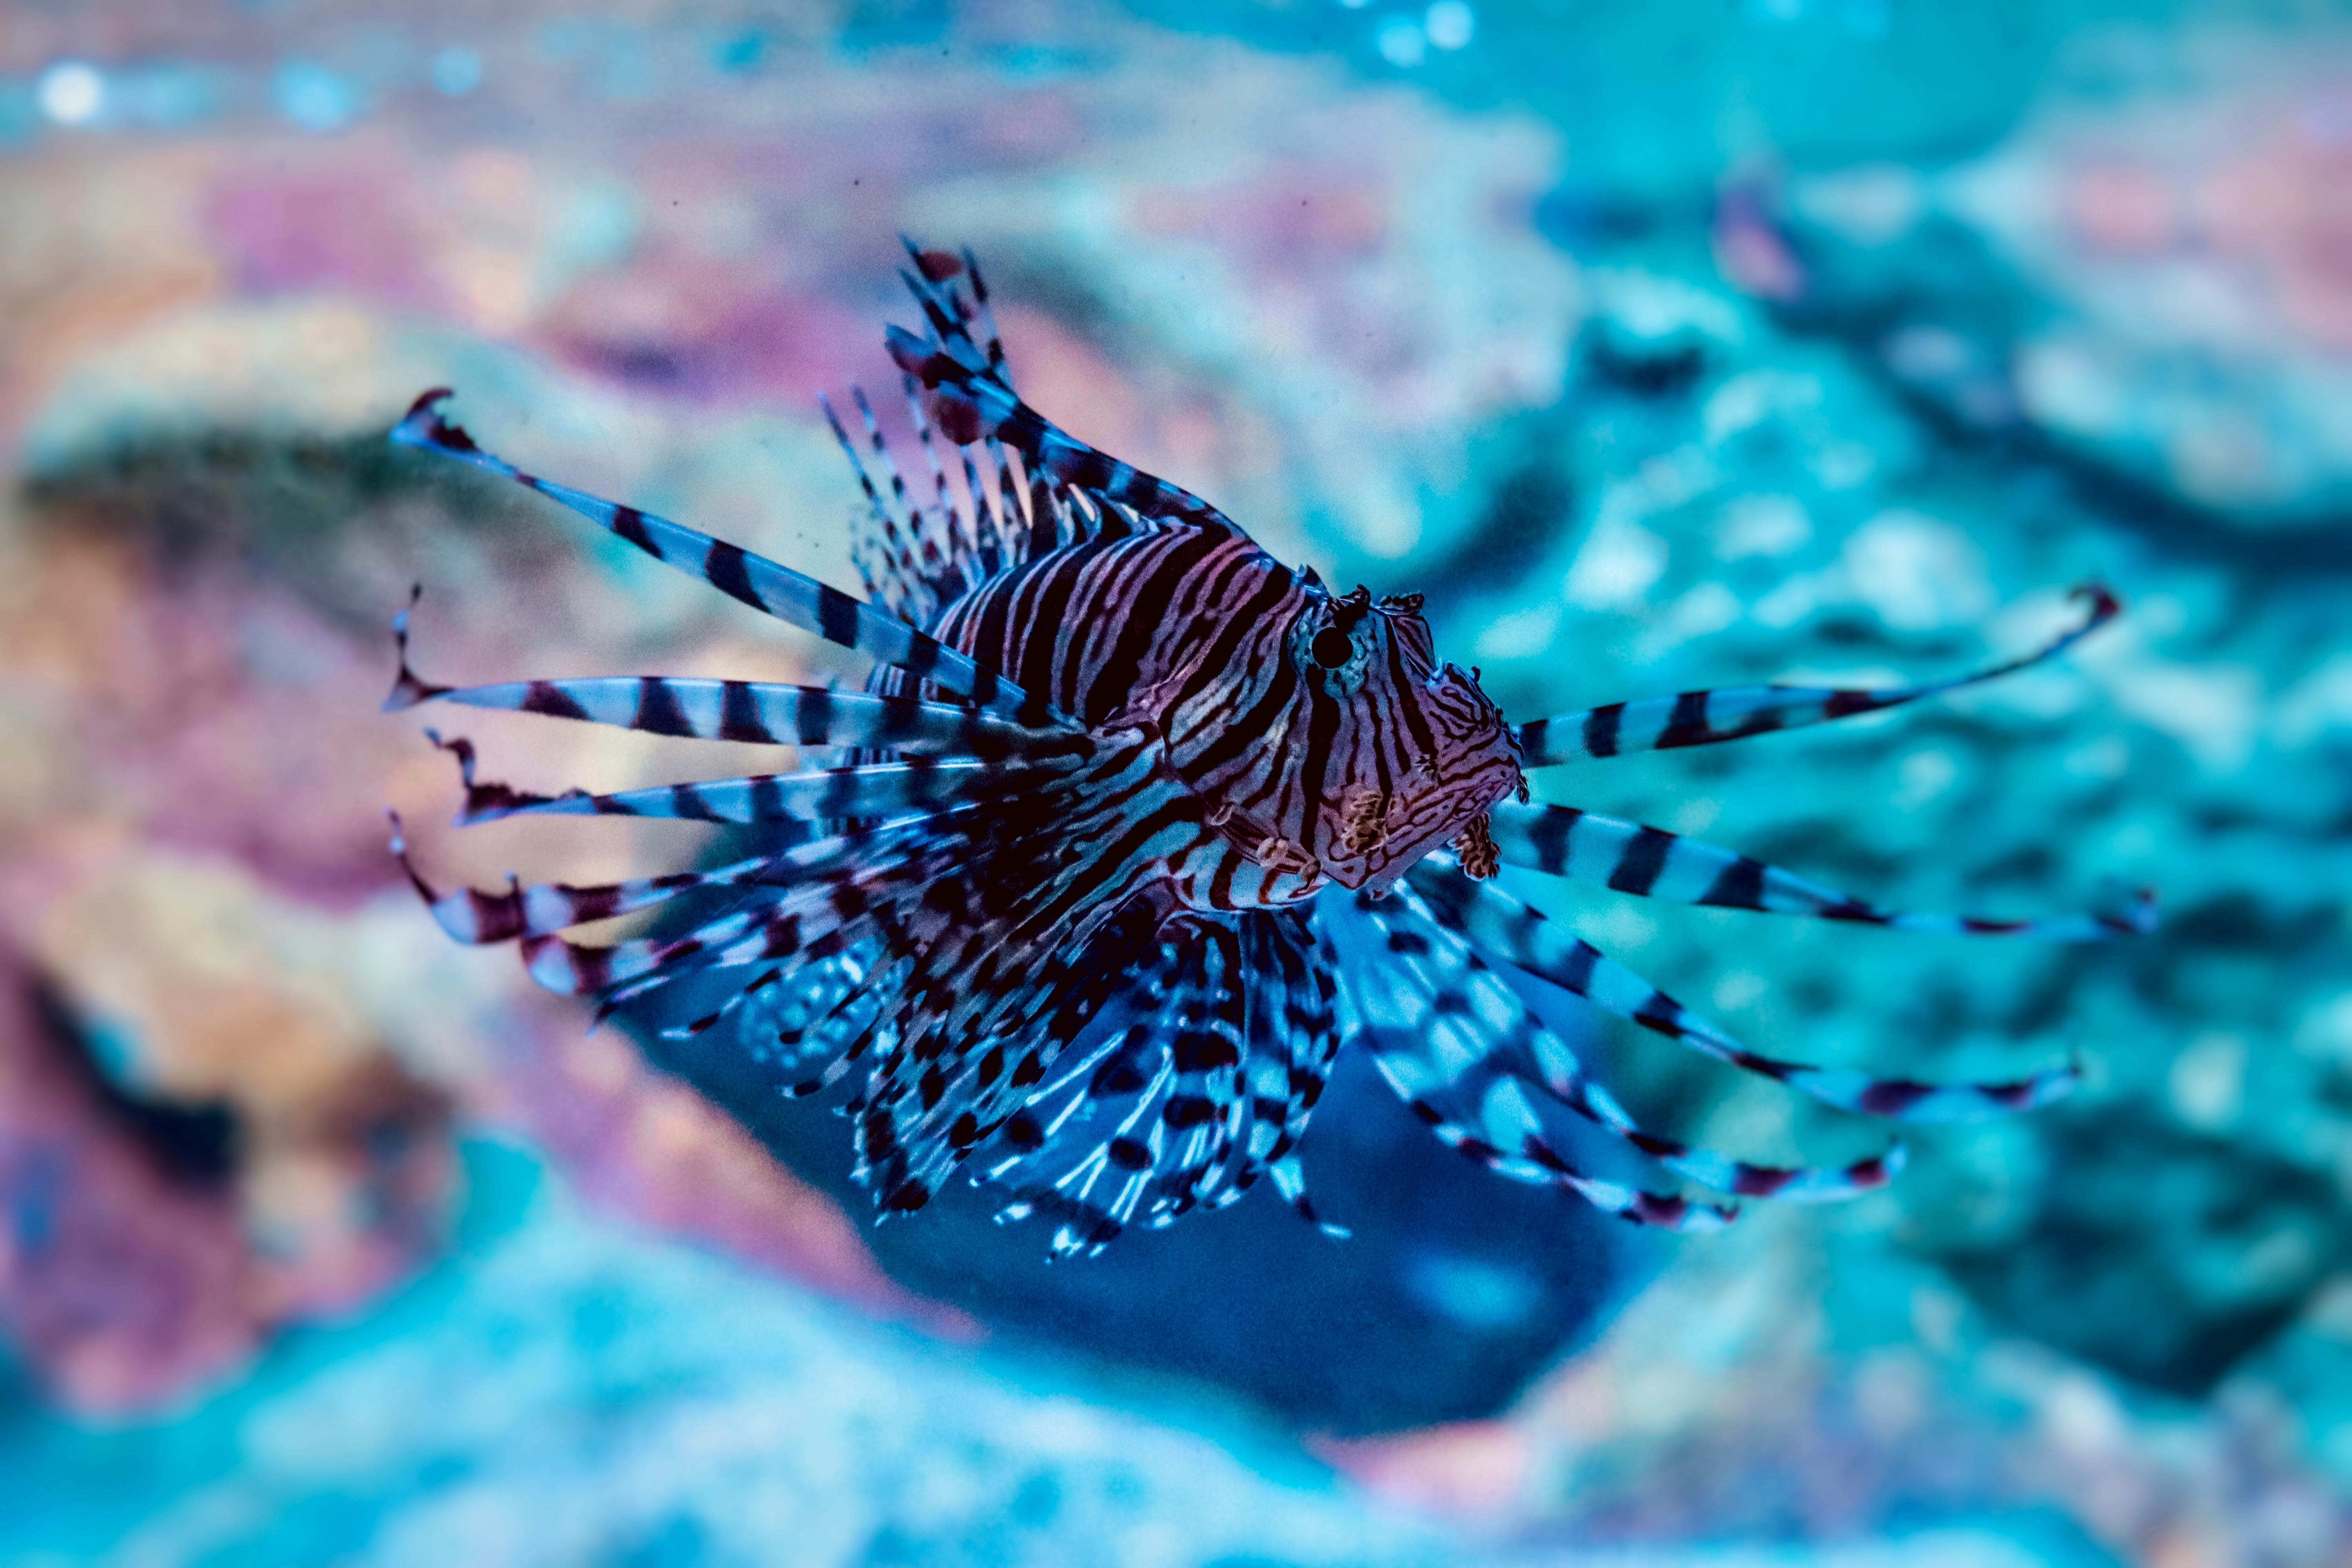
x,y
1135,829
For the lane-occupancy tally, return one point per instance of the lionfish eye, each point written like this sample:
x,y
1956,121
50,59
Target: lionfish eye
x,y
1331,647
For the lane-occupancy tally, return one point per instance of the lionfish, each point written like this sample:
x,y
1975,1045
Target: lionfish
x,y
1135,830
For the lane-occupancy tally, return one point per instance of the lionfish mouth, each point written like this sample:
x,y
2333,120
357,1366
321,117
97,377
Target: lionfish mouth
x,y
1469,834
1371,857
1381,837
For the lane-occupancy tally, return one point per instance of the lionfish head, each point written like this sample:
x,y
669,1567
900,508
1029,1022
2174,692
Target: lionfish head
x,y
1402,754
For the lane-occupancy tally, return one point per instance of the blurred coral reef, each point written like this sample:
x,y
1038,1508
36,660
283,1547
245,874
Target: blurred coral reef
x,y
1664,348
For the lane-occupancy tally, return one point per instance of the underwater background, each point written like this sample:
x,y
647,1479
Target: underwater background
x,y
1661,344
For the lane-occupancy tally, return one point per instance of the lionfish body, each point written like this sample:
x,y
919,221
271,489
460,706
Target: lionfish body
x,y
1137,829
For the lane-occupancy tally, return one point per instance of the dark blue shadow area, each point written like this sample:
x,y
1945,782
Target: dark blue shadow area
x,y
1456,1289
